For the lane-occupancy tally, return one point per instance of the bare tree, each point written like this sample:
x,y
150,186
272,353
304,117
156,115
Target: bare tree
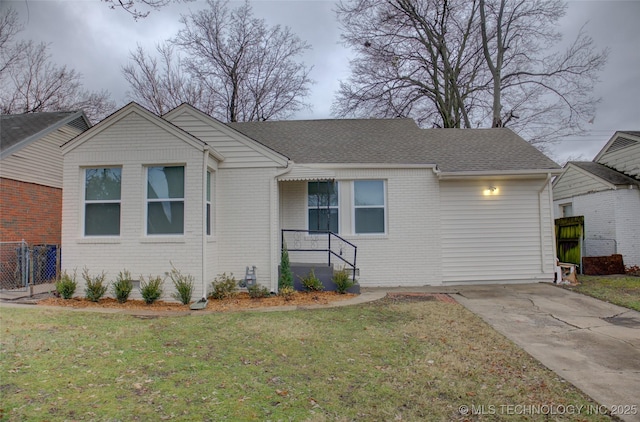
x,y
140,9
454,63
234,67
543,95
414,59
162,86
30,82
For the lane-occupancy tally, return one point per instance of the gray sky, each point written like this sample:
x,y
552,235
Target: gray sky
x,y
94,40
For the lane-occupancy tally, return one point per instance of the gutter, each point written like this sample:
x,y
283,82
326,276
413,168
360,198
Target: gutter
x,y
274,219
541,221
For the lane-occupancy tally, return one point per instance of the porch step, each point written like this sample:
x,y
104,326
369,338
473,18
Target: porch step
x,y
324,273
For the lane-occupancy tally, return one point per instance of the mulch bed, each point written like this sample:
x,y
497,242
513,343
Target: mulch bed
x,y
241,301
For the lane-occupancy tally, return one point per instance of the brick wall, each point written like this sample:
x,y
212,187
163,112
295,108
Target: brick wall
x,y
29,211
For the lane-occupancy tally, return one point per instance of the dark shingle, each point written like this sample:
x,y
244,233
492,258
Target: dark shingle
x,y
605,173
396,141
16,128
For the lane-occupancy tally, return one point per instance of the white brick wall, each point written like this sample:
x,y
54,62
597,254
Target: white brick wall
x,y
409,254
133,144
612,222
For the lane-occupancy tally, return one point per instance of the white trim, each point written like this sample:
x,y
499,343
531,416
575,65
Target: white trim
x,y
147,200
369,166
84,202
514,174
354,206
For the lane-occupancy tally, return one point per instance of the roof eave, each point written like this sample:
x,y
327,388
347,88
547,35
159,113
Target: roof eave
x,y
44,132
518,174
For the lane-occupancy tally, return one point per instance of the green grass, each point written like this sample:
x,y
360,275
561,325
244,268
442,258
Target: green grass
x,y
619,290
388,360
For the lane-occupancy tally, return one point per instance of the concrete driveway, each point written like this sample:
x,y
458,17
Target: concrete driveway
x,y
590,343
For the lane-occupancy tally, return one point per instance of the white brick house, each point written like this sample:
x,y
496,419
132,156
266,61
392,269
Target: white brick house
x,y
423,207
606,191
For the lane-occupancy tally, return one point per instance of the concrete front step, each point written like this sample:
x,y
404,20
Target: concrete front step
x,y
322,271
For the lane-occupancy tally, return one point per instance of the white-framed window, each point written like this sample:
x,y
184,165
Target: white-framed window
x,y
102,196
369,207
208,209
165,200
323,206
566,210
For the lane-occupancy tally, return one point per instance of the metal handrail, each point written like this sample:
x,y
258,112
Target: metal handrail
x,y
328,250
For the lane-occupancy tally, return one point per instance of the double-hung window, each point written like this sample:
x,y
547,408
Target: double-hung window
x,y
369,206
102,201
322,206
165,200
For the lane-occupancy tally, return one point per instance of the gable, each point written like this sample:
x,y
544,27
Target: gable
x,y
134,126
575,181
238,149
622,153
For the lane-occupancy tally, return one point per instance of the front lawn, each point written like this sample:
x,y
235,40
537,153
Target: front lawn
x,y
395,359
617,289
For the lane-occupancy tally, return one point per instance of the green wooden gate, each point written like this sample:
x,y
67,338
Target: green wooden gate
x,y
569,238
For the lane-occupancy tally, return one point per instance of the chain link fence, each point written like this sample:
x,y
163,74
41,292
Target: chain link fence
x,y
22,265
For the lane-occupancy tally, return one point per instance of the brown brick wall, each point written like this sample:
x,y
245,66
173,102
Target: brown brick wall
x,y
31,212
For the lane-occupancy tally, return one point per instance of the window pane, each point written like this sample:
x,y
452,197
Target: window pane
x,y
323,194
102,184
165,182
369,192
165,217
318,219
208,219
208,186
369,220
102,220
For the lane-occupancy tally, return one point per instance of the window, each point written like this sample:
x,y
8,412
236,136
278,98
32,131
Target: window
x,y
165,200
208,207
102,201
322,204
566,210
369,208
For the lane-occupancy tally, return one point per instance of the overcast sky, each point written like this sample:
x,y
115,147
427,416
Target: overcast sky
x,y
94,40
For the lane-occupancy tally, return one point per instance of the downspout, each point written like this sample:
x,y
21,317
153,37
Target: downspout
x,y
541,222
274,218
205,167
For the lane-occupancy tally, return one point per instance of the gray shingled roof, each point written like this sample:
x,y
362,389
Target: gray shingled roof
x,y
605,173
396,141
18,128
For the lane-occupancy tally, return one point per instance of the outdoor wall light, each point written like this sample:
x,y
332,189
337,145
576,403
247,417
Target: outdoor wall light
x,y
491,190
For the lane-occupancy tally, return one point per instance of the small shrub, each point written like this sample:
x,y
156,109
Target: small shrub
x,y
66,286
151,290
286,276
257,291
123,286
343,281
95,286
286,293
224,286
311,282
183,285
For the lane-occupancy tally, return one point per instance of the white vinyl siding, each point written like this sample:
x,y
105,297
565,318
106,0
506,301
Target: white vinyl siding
x,y
625,160
496,238
41,161
237,151
574,181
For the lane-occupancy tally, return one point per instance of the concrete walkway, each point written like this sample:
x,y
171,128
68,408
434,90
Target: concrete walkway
x,y
590,343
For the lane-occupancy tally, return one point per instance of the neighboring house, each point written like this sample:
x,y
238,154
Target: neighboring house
x,y
423,207
606,191
31,174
